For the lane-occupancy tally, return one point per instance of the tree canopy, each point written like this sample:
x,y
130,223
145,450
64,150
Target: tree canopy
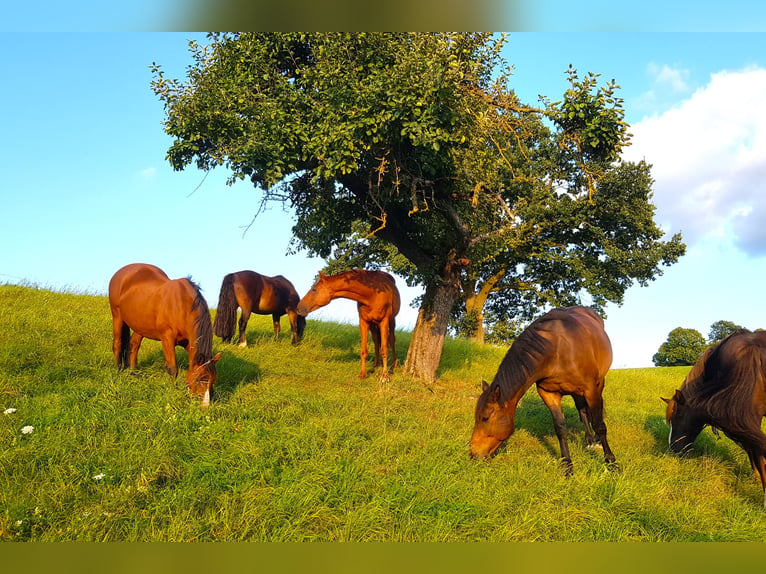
x,y
411,151
683,347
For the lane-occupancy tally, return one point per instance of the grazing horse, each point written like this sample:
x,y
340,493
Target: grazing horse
x,y
726,389
564,352
377,301
256,293
144,299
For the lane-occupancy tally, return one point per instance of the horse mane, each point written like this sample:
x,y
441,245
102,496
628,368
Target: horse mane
x,y
203,324
525,354
722,383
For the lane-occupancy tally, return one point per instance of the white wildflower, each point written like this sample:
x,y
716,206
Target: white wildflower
x,y
99,476
29,429
9,411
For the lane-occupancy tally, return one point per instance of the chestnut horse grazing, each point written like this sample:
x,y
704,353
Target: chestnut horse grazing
x,y
255,293
378,303
564,352
144,299
726,389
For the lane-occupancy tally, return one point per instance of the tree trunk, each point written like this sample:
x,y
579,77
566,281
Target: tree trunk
x,y
474,304
425,349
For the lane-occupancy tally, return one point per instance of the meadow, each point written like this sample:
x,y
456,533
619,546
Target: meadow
x,y
296,448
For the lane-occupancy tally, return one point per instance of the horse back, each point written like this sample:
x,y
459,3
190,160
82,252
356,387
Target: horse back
x,y
573,350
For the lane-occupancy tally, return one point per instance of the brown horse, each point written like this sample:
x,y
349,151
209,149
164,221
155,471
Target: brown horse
x,y
255,293
726,389
564,352
377,301
144,299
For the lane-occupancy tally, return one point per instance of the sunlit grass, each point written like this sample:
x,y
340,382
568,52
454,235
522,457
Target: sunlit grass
x,y
295,447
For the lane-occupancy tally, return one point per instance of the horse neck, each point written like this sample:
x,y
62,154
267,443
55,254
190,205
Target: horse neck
x,y
513,384
345,288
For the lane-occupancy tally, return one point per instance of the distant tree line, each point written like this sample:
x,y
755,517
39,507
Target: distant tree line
x,y
684,346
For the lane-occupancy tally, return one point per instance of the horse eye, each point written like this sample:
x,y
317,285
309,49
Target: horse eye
x,y
484,419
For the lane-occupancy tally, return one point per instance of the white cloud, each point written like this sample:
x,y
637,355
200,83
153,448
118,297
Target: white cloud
x,y
665,77
148,173
709,160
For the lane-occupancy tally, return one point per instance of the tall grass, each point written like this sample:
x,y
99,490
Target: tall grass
x,y
296,448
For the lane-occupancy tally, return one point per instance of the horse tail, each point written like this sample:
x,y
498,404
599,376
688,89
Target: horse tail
x,y
226,316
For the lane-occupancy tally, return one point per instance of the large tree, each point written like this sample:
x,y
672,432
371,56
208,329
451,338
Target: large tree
x,y
416,140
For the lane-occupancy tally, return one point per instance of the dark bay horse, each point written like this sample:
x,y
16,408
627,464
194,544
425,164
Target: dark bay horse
x,y
726,389
564,352
377,301
143,298
256,293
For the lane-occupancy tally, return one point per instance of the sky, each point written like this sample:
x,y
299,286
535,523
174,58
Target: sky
x,y
86,188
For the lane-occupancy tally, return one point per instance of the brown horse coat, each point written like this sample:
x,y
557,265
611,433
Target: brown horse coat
x,y
564,352
378,303
143,298
256,293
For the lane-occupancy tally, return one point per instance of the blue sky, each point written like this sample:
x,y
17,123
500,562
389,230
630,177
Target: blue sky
x,y
86,188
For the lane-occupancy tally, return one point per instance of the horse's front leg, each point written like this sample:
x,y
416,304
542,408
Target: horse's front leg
x,y
553,402
277,327
169,351
364,329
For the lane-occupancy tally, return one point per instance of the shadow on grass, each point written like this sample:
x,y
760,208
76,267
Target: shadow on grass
x,y
706,444
534,417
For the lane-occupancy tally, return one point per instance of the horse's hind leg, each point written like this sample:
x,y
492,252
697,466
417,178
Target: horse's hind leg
x,y
553,402
135,344
120,343
582,408
243,319
596,408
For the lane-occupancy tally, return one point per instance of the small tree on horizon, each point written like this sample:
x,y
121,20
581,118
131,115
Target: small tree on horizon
x,y
720,330
682,348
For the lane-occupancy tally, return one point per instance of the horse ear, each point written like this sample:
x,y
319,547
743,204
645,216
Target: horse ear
x,y
667,401
321,275
484,385
679,397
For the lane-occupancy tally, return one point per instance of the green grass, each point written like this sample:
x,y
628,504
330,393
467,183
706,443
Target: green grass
x,y
296,448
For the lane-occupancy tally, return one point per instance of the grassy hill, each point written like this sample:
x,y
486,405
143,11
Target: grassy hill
x,y
297,448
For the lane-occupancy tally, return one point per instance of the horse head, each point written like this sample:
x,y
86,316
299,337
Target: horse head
x,y
318,296
493,423
685,424
202,376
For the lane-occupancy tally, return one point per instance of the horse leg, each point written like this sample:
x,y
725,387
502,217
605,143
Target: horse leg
x,y
243,319
392,341
292,316
135,343
169,351
383,344
553,402
596,408
364,329
582,408
120,343
375,332
277,327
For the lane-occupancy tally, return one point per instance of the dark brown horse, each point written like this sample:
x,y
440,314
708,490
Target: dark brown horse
x,y
256,293
377,301
726,389
564,352
144,299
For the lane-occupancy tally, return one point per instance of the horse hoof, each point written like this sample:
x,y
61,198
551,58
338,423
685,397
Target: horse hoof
x,y
613,467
